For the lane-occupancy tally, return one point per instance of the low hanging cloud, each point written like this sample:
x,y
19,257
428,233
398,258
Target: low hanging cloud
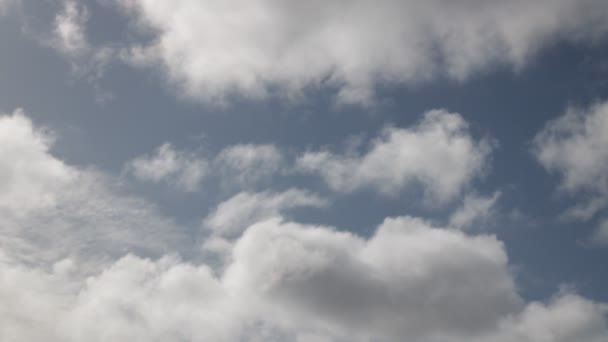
x,y
212,49
438,153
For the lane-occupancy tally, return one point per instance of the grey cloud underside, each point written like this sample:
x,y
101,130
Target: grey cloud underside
x,y
74,268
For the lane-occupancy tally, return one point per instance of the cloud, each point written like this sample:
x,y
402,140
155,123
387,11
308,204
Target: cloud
x,y
438,153
213,49
575,147
475,209
248,164
234,215
29,177
50,211
70,35
294,282
95,264
601,234
185,171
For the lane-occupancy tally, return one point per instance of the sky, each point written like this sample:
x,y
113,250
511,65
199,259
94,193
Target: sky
x,y
338,170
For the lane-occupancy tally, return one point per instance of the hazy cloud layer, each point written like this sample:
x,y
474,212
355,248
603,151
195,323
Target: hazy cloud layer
x,y
210,49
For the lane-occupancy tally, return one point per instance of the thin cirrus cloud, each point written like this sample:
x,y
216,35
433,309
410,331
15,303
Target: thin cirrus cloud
x,y
212,49
438,153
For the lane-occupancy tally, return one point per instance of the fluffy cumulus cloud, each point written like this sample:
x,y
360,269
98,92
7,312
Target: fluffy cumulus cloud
x,y
214,48
50,211
90,263
184,170
438,153
29,177
575,147
293,282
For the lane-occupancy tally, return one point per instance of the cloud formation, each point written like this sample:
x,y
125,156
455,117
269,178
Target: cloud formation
x,y
94,264
50,211
70,35
183,170
438,153
293,282
249,164
234,215
575,147
474,210
213,49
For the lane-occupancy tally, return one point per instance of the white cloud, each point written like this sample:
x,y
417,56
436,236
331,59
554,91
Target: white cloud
x,y
293,282
473,210
438,153
50,211
70,35
283,281
184,170
248,164
213,48
29,177
575,147
234,215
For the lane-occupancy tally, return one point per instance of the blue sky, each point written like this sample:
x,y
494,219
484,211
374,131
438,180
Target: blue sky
x,y
285,171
